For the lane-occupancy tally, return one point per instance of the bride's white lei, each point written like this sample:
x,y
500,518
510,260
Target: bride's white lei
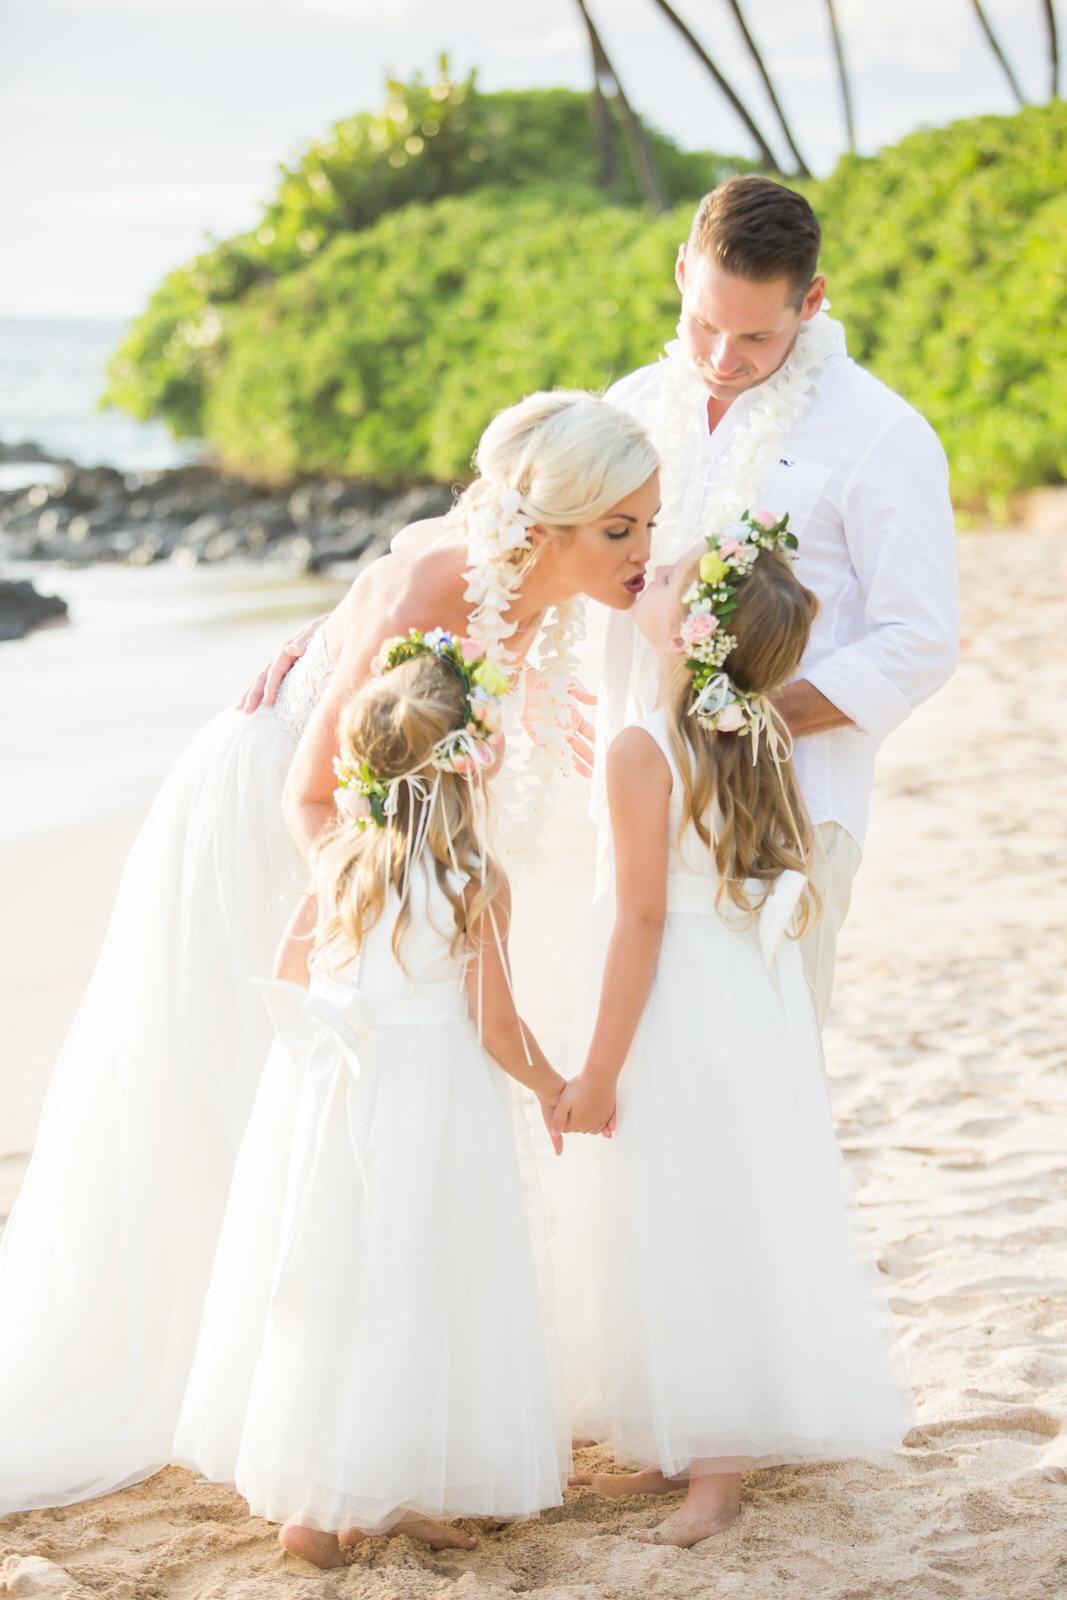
x,y
679,429
497,533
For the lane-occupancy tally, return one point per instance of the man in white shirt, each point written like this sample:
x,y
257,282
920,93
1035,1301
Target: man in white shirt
x,y
759,406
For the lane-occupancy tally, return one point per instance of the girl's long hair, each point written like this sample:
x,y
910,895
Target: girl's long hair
x,y
750,814
393,725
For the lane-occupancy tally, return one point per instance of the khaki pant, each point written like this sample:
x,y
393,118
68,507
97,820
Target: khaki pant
x,y
837,859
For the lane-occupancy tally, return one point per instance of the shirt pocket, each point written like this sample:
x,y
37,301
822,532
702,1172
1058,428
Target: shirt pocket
x,y
796,487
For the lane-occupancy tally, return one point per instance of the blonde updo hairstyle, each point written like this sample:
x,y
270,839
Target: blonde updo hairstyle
x,y
570,454
762,825
393,724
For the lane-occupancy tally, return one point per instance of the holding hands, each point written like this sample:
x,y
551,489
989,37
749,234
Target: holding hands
x,y
586,1105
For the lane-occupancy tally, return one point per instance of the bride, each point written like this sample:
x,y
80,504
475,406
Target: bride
x,y
105,1260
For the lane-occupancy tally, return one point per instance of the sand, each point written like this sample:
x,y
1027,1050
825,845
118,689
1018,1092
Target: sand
x,y
946,1051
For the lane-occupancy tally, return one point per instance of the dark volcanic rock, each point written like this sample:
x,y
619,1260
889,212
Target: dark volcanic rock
x,y
196,514
22,608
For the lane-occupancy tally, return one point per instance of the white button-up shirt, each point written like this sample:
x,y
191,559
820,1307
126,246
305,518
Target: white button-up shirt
x,y
865,482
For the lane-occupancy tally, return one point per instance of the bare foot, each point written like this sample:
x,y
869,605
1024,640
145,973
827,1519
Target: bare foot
x,y
438,1535
321,1549
615,1485
713,1502
582,1441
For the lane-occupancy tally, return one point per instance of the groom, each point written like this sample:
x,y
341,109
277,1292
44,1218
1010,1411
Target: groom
x,y
758,405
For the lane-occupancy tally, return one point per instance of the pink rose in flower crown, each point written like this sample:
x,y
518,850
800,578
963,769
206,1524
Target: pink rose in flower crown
x,y
730,720
729,547
353,805
469,649
489,714
766,519
698,628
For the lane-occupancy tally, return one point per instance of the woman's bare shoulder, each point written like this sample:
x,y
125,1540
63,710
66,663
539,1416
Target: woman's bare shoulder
x,y
416,588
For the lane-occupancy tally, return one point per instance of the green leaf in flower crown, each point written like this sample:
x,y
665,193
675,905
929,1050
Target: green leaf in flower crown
x,y
377,809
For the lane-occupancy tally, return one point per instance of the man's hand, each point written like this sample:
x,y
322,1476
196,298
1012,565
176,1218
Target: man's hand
x,y
587,1105
264,691
807,710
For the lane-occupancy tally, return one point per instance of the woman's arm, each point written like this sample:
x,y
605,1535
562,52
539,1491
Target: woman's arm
x,y
391,596
503,1032
639,788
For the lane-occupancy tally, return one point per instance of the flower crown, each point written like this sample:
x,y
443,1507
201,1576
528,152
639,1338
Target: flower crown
x,y
468,749
711,601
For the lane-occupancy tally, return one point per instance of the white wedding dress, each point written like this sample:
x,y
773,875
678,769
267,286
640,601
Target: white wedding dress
x,y
375,1339
719,1301
106,1257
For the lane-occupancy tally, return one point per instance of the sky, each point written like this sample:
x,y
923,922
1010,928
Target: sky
x,y
132,130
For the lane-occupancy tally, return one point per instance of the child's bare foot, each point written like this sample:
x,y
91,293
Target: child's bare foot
x,y
321,1549
712,1503
582,1441
615,1485
438,1535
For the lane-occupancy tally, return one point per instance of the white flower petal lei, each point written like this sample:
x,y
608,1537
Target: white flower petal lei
x,y
525,789
679,429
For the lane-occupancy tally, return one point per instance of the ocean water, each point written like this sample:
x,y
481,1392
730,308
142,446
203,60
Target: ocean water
x,y
93,711
51,379
96,709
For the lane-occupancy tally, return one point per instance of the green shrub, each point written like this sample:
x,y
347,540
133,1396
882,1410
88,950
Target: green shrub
x,y
945,256
386,356
383,353
429,141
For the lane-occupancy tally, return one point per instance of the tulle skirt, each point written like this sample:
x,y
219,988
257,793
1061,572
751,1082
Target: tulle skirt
x,y
374,1339
720,1307
106,1257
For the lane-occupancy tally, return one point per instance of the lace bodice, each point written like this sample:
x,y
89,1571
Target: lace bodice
x,y
303,685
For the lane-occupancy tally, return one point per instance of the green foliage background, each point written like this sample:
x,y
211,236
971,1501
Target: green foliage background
x,y
421,268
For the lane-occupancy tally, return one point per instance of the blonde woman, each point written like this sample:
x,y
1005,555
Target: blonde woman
x,y
720,1305
107,1253
372,1355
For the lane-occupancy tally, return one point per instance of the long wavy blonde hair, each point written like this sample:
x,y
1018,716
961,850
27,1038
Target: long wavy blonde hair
x,y
393,724
755,811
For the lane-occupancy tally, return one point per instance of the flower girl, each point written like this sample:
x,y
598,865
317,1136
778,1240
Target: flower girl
x,y
720,1306
373,1352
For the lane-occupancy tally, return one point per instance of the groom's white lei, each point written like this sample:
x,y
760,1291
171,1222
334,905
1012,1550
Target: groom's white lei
x,y
679,427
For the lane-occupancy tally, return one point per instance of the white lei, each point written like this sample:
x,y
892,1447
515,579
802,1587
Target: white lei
x,y
525,791
679,428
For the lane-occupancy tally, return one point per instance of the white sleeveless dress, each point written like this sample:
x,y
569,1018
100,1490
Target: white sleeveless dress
x,y
106,1256
374,1339
718,1297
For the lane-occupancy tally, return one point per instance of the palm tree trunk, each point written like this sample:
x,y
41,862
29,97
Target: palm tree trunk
x,y
846,96
1053,51
605,137
802,166
768,160
997,51
641,157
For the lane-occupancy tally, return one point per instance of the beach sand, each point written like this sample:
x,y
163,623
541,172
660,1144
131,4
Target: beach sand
x,y
946,1053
